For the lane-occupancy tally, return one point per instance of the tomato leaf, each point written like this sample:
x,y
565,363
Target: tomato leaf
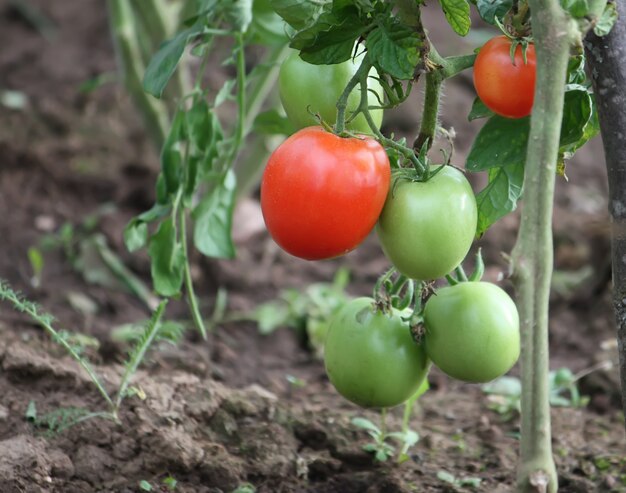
x,y
167,260
576,114
501,142
394,48
500,196
331,38
299,13
164,62
457,13
267,27
171,154
479,110
213,218
606,21
136,231
489,10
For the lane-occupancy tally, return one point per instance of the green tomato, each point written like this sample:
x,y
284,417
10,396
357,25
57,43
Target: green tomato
x,y
371,357
306,89
427,228
472,331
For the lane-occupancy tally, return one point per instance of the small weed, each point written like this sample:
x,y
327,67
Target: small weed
x,y
245,488
307,312
505,392
380,447
145,485
470,482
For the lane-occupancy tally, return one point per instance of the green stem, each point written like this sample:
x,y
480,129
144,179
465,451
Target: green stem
x,y
532,256
139,353
241,99
360,76
444,69
191,295
153,111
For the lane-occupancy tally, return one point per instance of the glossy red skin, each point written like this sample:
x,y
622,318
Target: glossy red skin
x,y
506,89
322,194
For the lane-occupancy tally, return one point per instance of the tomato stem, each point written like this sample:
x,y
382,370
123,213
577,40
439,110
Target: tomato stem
x,y
532,256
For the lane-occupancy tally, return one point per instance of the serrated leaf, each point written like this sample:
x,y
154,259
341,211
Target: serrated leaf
x,y
457,13
213,218
167,260
500,196
489,10
164,62
501,142
606,21
576,114
394,48
330,39
479,110
299,13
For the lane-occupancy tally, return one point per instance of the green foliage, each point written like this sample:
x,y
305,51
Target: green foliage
x,y
490,10
607,20
505,392
308,311
458,15
381,447
500,149
470,482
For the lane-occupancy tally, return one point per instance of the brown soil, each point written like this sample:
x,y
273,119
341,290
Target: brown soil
x,y
220,414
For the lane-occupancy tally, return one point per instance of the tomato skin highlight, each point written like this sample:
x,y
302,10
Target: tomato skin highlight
x,y
322,194
427,228
472,331
371,357
506,89
306,89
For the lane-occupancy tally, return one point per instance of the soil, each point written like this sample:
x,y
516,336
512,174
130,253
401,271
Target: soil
x,y
220,414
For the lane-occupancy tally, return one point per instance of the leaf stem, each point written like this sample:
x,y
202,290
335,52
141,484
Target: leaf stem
x,y
191,294
154,325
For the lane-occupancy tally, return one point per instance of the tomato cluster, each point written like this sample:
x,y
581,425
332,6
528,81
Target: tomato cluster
x,y
322,194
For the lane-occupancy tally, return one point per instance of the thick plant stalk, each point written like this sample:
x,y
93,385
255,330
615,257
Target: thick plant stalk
x,y
606,58
153,111
532,255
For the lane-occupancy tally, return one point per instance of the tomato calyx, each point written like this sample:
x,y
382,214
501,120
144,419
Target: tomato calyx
x,y
460,276
517,39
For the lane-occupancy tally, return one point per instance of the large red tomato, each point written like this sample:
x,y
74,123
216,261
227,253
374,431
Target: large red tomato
x,y
321,194
506,88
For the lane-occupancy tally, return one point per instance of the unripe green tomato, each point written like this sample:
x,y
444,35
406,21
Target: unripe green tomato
x,y
306,89
427,228
371,357
472,331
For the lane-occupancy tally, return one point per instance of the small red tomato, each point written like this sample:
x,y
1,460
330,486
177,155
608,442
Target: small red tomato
x,y
506,88
321,194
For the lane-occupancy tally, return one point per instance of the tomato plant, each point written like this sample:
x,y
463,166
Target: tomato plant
x,y
507,87
370,356
321,194
306,89
426,228
472,331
